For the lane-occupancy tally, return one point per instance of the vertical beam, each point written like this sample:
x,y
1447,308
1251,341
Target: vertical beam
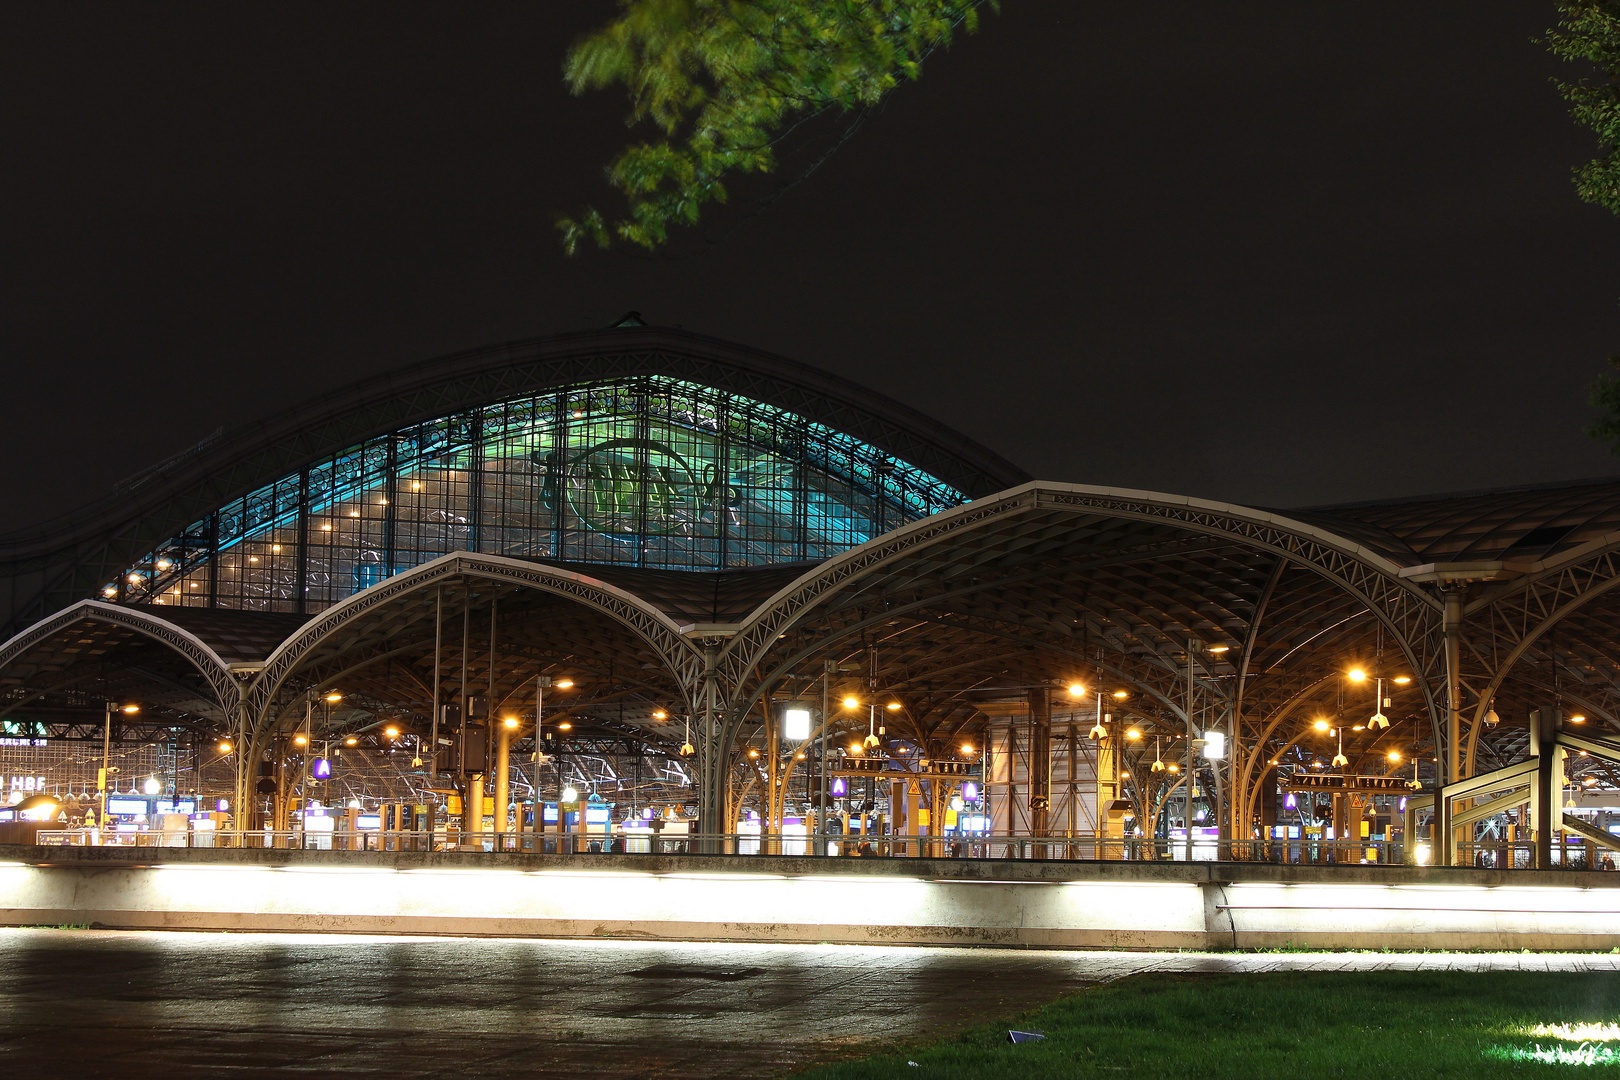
x,y
1040,760
1452,628
301,571
711,756
1546,793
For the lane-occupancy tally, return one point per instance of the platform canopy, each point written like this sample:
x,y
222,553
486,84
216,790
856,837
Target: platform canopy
x,y
692,533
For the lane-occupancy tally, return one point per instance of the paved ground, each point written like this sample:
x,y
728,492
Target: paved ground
x,y
85,1003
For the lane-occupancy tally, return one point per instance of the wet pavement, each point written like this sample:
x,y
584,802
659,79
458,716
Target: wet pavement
x,y
83,1003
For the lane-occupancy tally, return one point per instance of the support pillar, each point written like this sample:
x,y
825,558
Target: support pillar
x,y
1547,792
1451,625
503,766
1040,761
472,810
711,758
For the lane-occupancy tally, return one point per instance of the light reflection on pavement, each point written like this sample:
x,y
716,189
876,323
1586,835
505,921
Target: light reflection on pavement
x,y
83,1003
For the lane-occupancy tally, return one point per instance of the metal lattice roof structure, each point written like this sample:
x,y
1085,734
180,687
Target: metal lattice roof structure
x,y
1028,587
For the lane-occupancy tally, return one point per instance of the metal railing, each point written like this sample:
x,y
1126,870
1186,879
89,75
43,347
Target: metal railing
x,y
1063,848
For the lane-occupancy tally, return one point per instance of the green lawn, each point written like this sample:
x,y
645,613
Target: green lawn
x,y
1375,1026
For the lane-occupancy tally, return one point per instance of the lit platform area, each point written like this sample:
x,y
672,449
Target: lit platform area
x,y
1029,903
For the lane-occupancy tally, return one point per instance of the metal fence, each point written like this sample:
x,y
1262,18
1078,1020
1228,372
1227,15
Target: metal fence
x,y
1065,848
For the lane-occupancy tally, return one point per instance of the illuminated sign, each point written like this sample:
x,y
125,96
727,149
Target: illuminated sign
x,y
320,769
1361,785
127,806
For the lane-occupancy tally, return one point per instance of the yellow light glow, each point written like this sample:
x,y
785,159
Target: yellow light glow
x,y
224,747
1577,719
1220,648
564,684
892,706
1357,675
1175,768
1402,680
326,528
416,487
351,741
391,731
1124,775
660,714
798,757
752,752
855,748
275,547
131,709
510,721
565,726
333,696
967,748
1076,690
850,703
1122,694
1320,725
300,740
1394,755
1133,733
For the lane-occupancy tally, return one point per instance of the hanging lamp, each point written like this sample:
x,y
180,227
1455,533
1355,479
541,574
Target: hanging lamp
x,y
1098,730
1158,760
687,749
1339,760
1379,720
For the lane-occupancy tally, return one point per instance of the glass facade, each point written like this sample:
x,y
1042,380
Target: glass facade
x,y
647,471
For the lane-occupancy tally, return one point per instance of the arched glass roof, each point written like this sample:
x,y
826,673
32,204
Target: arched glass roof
x,y
645,471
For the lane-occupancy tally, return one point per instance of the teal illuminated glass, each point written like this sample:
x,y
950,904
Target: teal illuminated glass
x,y
647,471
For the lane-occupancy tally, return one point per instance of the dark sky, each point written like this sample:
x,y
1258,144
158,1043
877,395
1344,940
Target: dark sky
x,y
1273,252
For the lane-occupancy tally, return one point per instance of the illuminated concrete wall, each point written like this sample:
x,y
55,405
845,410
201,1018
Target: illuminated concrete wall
x,y
915,901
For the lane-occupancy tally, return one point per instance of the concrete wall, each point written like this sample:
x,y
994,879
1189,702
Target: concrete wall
x,y
878,901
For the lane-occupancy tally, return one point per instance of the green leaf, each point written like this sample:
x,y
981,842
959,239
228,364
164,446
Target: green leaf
x,y
724,81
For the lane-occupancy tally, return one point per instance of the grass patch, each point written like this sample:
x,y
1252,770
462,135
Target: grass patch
x,y
1387,1024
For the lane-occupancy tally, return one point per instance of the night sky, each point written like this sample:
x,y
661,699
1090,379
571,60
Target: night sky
x,y
1279,253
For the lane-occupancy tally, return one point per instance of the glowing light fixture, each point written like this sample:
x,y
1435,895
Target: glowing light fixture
x,y
850,703
1321,725
1133,733
300,740
510,721
1356,675
565,726
333,697
1121,695
570,794
153,785
391,731
1402,680
224,747
893,706
967,749
1215,745
130,709
351,741
1394,755
564,684
1076,690
1577,719
796,722
660,714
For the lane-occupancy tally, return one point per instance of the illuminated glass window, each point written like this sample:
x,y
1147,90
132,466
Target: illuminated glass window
x,y
648,471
